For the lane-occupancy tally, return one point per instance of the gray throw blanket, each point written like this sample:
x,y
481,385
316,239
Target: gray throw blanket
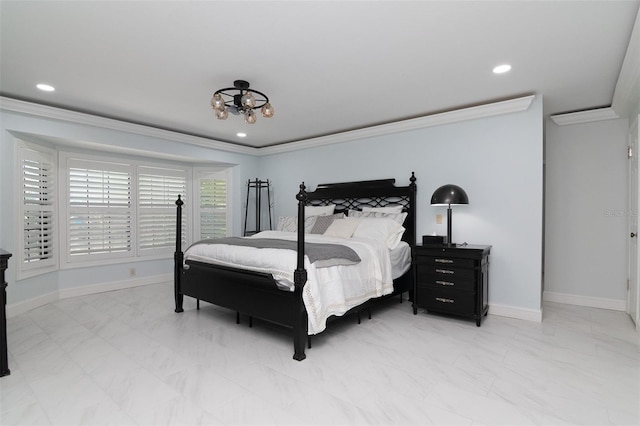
x,y
321,254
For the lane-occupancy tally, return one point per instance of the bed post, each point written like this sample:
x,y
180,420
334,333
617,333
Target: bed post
x,y
178,257
300,326
412,203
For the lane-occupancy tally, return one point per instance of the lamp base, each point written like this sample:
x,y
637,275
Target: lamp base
x,y
447,244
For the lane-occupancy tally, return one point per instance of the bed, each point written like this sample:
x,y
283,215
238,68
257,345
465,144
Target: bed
x,y
281,293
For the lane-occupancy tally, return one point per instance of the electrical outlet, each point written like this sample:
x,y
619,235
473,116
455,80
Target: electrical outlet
x,y
439,219
132,272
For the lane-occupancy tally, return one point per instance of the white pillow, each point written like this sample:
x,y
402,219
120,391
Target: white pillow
x,y
319,210
387,209
290,224
387,231
398,217
343,228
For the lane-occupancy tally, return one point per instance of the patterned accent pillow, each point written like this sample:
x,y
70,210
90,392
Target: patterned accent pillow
x,y
397,217
290,224
287,224
323,222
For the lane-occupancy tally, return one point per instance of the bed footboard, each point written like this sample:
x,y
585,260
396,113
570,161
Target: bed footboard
x,y
252,293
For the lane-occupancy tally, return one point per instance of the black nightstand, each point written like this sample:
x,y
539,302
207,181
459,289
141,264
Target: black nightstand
x,y
451,280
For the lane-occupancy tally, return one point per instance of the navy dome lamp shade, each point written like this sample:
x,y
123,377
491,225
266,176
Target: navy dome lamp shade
x,y
448,195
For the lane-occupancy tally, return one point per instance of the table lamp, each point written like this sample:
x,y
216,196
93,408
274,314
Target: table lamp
x,y
448,195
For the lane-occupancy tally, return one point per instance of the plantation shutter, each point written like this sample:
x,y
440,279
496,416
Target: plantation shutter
x,y
158,190
100,212
38,213
213,205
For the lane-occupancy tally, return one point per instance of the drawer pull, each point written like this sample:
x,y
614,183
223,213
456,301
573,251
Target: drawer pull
x,y
444,271
444,300
445,282
443,261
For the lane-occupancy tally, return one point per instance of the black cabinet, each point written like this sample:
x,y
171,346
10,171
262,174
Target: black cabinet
x,y
452,280
4,362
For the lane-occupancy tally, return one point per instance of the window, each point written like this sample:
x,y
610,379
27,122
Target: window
x,y
99,216
158,190
37,213
82,209
214,213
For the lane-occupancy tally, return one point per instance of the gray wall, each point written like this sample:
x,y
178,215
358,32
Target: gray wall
x,y
585,221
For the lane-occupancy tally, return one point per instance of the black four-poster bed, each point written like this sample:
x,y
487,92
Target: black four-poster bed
x,y
256,294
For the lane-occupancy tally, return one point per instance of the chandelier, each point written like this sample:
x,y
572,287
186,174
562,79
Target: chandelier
x,y
239,99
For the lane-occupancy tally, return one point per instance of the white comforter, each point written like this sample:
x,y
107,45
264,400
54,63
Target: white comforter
x,y
328,291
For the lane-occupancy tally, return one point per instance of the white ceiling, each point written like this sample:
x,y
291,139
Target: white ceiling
x,y
327,66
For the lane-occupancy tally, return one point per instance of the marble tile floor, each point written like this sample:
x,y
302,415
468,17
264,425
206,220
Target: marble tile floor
x,y
125,358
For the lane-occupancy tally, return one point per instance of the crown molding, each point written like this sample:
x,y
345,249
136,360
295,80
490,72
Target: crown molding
x,y
587,116
44,111
626,95
464,114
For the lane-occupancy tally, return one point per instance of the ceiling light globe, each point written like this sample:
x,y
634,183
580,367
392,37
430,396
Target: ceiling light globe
x,y
217,102
222,113
501,69
267,110
248,101
250,117
45,87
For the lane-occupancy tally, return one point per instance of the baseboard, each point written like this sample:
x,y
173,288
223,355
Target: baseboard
x,y
27,305
518,313
115,285
592,302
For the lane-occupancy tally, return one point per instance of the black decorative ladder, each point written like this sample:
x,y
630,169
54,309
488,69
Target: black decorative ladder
x,y
258,186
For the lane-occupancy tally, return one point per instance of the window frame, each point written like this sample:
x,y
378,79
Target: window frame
x,y
174,171
66,259
26,149
198,174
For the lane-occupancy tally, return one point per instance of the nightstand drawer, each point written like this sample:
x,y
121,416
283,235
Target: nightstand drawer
x,y
451,283
452,301
445,261
430,272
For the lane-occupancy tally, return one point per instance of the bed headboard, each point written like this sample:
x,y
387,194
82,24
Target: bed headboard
x,y
370,193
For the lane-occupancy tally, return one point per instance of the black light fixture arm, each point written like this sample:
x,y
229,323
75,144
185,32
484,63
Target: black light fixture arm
x,y
233,95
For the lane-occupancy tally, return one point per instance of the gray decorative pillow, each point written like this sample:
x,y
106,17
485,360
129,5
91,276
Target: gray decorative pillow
x,y
323,222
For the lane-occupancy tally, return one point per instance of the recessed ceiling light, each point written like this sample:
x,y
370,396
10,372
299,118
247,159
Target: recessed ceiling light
x,y
500,69
241,135
45,87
